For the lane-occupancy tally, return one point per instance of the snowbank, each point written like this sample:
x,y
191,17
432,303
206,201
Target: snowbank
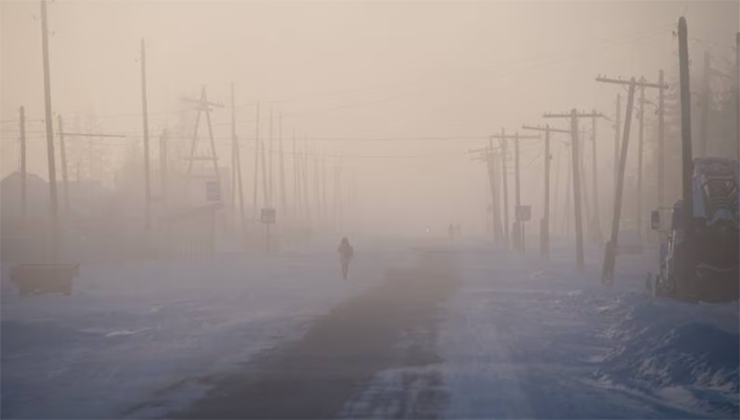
x,y
685,353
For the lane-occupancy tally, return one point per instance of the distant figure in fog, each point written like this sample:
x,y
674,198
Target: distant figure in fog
x,y
346,252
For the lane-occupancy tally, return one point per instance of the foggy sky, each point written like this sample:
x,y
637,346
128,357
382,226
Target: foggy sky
x,y
354,70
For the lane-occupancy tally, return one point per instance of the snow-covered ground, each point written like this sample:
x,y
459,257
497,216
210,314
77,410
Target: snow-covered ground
x,y
132,330
519,338
523,338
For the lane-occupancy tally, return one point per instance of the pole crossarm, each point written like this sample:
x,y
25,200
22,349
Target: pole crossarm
x,y
512,136
637,83
570,115
117,136
540,128
204,104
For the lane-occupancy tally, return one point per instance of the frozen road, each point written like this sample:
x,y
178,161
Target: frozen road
x,y
428,331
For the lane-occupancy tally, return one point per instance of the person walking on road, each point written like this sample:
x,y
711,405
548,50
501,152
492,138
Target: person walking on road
x,y
346,252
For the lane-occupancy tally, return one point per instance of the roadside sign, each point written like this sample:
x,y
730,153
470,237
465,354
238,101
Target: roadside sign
x,y
268,216
213,191
523,213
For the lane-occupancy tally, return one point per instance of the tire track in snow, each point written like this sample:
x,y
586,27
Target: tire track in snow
x,y
317,376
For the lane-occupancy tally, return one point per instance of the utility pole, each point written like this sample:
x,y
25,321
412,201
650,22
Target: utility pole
x,y
640,148
306,184
255,186
574,116
163,165
737,94
517,194
204,106
545,222
686,274
24,196
493,180
53,203
269,169
490,158
596,222
577,189
661,141
266,197
504,158
642,84
584,184
234,151
296,192
63,153
568,203
316,181
238,162
519,239
607,273
617,139
705,105
147,184
283,196
325,203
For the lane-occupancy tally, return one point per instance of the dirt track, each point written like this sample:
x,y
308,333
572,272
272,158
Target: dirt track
x,y
322,374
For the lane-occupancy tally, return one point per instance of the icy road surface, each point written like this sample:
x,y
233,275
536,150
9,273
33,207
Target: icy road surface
x,y
419,331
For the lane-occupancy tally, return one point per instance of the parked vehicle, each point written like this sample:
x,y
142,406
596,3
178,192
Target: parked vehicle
x,y
716,250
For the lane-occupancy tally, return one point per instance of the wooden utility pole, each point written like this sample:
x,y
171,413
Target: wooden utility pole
x,y
504,170
255,178
617,139
737,94
63,153
568,203
661,141
296,193
266,196
576,159
206,107
545,222
237,160
145,120
584,185
642,84
489,156
596,222
577,189
163,166
325,203
306,184
316,184
270,172
686,274
610,253
24,194
640,149
517,197
494,183
705,106
48,119
234,152
519,239
283,194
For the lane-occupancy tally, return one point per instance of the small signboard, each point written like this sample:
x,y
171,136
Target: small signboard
x,y
213,191
268,216
523,213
